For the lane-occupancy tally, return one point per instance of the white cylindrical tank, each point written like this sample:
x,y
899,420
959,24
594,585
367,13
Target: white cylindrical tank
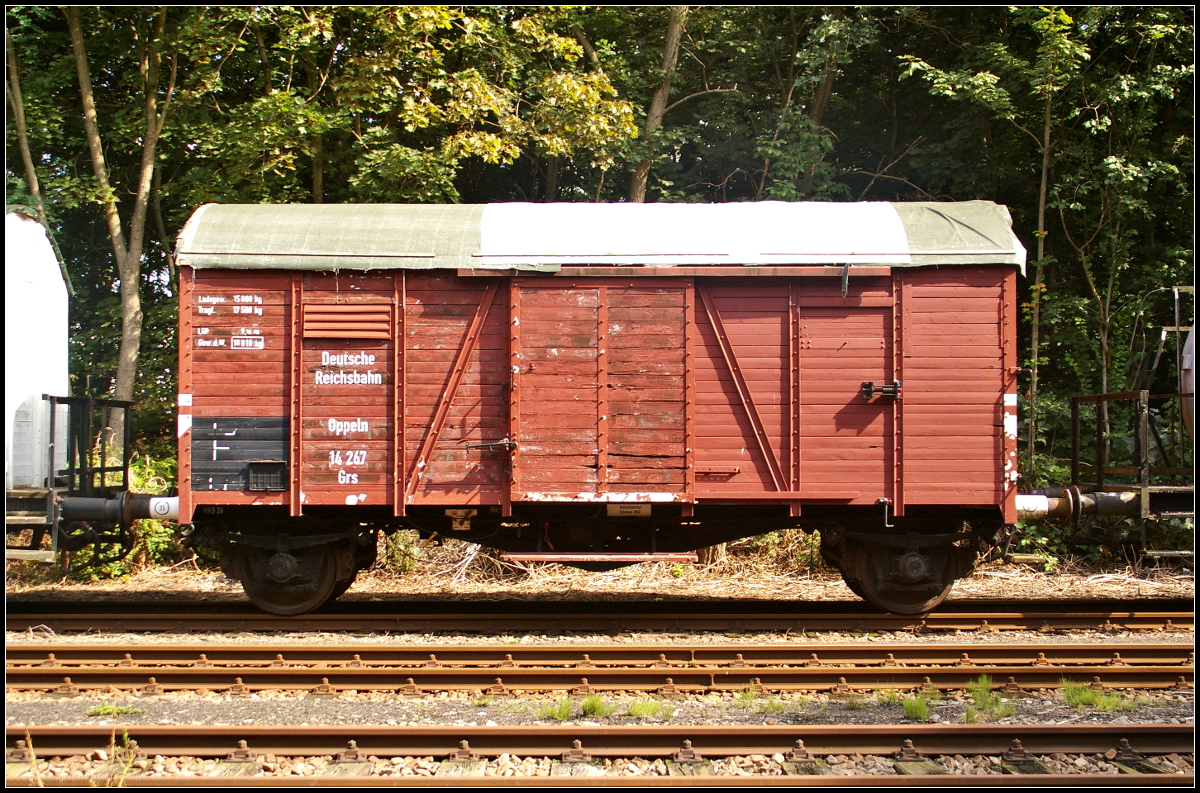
x,y
35,350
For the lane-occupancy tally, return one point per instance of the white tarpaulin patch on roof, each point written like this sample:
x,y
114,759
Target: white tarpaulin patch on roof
x,y
549,236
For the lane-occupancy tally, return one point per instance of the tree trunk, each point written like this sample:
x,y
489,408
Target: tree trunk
x,y
553,164
820,102
35,191
1035,319
712,554
127,252
676,20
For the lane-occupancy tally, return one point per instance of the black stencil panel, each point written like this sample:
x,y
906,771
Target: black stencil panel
x,y
223,448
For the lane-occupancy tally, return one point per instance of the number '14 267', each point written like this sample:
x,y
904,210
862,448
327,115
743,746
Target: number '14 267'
x,y
348,457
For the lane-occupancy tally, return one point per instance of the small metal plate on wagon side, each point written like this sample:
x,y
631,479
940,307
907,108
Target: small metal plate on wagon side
x,y
628,510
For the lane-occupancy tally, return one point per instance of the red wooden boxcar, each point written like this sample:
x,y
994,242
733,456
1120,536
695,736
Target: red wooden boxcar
x,y
598,384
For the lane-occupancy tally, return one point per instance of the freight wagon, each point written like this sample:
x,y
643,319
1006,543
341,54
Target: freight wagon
x,y
598,384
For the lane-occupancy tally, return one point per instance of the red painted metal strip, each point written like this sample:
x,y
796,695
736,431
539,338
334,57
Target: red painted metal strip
x,y
514,392
743,390
399,383
599,557
602,421
755,271
689,397
1008,351
902,292
186,279
456,377
794,382
295,377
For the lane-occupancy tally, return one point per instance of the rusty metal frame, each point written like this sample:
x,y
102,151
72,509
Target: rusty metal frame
x,y
689,398
457,372
901,301
399,388
743,388
295,389
187,278
514,395
601,389
794,385
1009,368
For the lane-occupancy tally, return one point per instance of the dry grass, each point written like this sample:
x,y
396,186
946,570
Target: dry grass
x,y
781,565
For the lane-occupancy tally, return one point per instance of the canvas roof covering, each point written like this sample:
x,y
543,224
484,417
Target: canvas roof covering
x,y
545,237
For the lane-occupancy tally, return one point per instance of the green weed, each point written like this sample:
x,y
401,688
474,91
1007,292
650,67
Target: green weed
x,y
970,716
916,708
746,697
109,709
888,697
771,705
1082,696
482,701
854,702
401,550
594,705
557,711
668,710
677,571
642,708
1002,711
982,694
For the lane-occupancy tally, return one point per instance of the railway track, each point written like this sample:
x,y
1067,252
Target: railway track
x,y
666,669
688,751
534,617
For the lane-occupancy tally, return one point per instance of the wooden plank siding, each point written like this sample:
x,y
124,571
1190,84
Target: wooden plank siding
x,y
709,390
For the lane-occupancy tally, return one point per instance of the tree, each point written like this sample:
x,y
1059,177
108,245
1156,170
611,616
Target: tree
x,y
1058,57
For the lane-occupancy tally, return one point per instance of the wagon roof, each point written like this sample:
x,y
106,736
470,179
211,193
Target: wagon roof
x,y
545,237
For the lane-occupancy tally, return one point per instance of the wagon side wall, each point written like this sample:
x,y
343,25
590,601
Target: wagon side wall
x,y
407,388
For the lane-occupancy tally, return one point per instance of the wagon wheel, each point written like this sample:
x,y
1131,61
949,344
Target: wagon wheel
x,y
290,583
364,557
906,582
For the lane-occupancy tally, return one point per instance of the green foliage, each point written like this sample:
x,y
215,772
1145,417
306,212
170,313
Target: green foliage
x,y
651,708
916,708
641,708
677,570
401,549
595,705
888,696
854,702
500,103
1084,697
483,700
109,709
981,692
746,696
970,715
559,710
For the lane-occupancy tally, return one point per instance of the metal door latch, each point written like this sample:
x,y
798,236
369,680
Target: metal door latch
x,y
869,390
505,444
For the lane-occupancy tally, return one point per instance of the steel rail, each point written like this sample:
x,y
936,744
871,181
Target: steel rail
x,y
586,669
756,780
573,655
608,741
636,616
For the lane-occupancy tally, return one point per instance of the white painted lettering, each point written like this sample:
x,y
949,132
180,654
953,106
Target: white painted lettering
x,y
210,299
347,427
247,343
207,310
347,359
210,342
341,377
